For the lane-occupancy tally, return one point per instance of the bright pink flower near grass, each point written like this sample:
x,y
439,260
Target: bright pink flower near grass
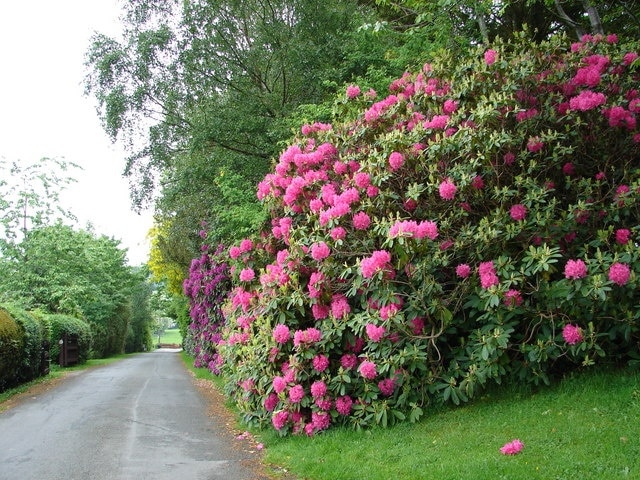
x,y
374,332
623,236
368,370
619,273
320,420
246,245
463,270
280,419
270,402
387,386
320,251
575,269
281,333
361,221
343,405
490,57
488,277
447,190
587,100
572,334
512,448
396,161
518,212
247,274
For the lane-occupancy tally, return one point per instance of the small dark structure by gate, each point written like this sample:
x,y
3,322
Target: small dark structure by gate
x,y
69,351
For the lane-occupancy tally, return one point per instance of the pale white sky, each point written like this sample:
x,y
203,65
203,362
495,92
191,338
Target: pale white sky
x,y
43,112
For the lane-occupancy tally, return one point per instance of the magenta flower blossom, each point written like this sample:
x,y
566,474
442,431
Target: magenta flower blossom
x,y
513,298
320,312
340,306
396,160
353,91
279,384
234,252
247,274
320,251
387,386
619,273
296,393
488,276
463,270
362,179
575,269
310,335
270,402
281,333
348,361
490,57
518,212
512,448
447,190
320,363
572,334
343,405
587,100
623,236
318,389
374,264
374,332
368,370
279,419
361,221
320,420
338,233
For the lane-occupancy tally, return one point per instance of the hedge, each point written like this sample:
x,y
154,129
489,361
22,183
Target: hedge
x,y
61,324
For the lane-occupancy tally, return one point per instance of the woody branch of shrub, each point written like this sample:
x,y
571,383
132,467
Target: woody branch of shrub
x,y
478,224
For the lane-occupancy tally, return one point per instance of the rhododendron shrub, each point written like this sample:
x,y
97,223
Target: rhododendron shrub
x,y
477,223
206,287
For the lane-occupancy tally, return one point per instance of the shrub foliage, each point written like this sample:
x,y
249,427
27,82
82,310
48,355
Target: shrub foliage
x,y
478,224
11,343
61,324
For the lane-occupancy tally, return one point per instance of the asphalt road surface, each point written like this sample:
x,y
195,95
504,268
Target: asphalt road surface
x,y
140,418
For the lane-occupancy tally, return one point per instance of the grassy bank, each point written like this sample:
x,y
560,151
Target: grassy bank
x,y
171,336
586,427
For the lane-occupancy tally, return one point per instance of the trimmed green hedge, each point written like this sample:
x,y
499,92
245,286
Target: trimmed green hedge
x,y
11,341
61,324
33,336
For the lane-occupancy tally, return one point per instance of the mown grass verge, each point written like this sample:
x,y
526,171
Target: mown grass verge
x,y
585,427
171,336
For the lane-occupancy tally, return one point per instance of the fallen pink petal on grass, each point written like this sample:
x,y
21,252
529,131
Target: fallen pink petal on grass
x,y
512,448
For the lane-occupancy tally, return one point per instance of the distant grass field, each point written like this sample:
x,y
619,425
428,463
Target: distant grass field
x,y
171,335
587,427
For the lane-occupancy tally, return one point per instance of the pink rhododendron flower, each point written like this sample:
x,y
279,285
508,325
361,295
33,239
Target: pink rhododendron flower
x,y
338,233
387,386
513,298
575,269
362,179
396,160
234,252
463,270
320,312
320,363
320,420
281,333
318,389
447,190
619,273
340,306
368,370
488,276
490,57
310,335
512,448
535,144
587,100
518,212
569,169
343,405
246,245
279,384
374,332
296,393
320,251
247,274
279,419
348,361
572,334
270,402
361,221
623,236
449,106
509,158
374,264
353,91
477,182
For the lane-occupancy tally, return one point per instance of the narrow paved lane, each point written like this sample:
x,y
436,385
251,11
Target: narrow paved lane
x,y
140,418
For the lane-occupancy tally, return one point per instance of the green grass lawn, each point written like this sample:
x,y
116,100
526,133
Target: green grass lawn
x,y
585,427
171,335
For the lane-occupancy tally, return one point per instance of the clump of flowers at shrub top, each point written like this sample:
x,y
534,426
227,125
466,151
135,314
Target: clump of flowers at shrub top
x,y
478,222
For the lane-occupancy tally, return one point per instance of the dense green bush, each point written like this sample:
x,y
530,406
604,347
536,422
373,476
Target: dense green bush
x,y
11,342
61,324
34,333
479,224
